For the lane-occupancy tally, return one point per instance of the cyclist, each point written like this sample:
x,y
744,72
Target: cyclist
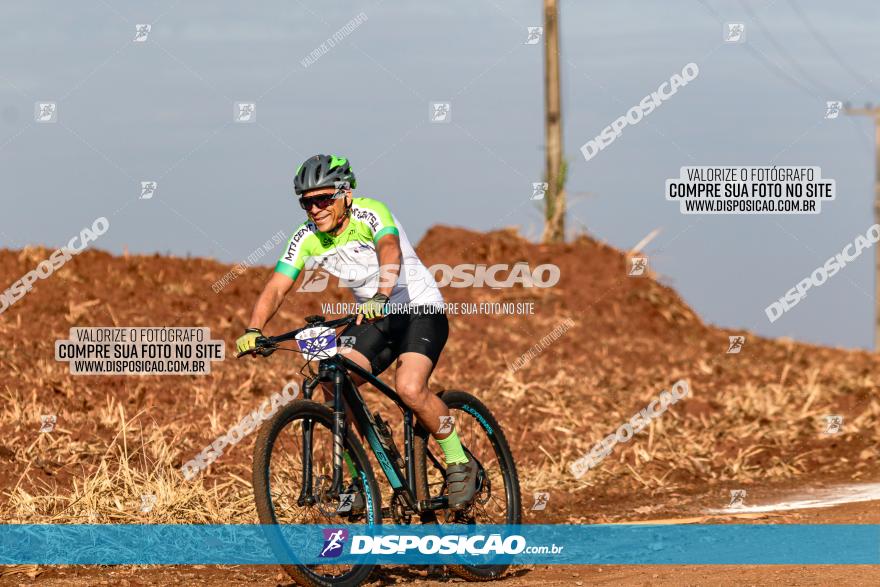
x,y
361,242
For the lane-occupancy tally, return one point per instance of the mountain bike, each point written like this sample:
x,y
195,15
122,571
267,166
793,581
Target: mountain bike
x,y
304,456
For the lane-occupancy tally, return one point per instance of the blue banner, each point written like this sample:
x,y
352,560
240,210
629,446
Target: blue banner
x,y
122,544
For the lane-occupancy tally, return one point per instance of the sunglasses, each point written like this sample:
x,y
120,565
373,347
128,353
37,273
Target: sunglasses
x,y
321,202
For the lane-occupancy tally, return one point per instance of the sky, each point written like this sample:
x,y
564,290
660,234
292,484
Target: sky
x,y
163,110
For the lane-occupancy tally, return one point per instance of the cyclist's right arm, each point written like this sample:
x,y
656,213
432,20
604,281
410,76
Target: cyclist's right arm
x,y
287,269
270,300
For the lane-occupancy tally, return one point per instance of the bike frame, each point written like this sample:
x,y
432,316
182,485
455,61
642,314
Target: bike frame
x,y
336,369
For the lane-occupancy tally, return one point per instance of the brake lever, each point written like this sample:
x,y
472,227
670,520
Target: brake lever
x,y
266,351
264,346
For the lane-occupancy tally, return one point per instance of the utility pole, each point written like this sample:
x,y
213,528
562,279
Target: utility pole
x,y
874,111
554,210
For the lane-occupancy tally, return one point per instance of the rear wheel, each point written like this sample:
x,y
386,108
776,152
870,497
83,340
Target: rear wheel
x,y
497,500
278,482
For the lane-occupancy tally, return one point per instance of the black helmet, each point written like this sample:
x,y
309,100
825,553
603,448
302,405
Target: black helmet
x,y
323,171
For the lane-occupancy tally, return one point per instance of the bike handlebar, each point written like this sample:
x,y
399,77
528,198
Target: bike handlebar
x,y
266,345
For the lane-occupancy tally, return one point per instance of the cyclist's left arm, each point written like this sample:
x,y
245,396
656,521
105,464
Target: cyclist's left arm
x,y
389,254
384,231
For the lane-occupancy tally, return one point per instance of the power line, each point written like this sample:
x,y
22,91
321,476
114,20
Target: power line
x,y
774,68
784,52
781,72
822,41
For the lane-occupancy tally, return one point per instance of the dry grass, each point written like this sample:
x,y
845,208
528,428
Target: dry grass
x,y
744,433
755,417
755,432
137,462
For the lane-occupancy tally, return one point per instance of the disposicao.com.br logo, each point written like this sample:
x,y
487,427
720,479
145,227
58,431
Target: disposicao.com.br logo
x,y
430,544
334,541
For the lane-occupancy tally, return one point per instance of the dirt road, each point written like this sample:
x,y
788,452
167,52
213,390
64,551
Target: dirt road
x,y
545,575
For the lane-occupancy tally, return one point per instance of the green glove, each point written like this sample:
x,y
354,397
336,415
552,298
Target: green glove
x,y
248,341
374,307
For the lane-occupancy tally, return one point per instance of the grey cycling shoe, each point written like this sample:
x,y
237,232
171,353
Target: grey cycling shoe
x,y
461,479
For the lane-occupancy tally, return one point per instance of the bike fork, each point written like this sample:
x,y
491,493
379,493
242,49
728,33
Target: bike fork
x,y
338,431
306,495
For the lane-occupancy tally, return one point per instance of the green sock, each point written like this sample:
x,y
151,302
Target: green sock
x,y
451,446
351,468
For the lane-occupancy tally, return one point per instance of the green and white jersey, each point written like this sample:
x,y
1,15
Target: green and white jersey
x,y
351,256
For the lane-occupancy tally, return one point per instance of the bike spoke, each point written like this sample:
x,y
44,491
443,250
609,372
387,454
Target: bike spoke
x,y
286,474
476,441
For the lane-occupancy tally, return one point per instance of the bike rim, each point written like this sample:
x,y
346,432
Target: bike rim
x,y
494,504
285,480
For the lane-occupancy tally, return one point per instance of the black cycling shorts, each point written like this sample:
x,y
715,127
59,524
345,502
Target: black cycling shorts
x,y
422,330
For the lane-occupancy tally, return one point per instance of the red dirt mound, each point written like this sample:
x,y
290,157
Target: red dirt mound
x,y
753,416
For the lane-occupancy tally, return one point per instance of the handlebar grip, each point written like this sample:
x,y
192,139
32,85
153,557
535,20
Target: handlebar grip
x,y
265,347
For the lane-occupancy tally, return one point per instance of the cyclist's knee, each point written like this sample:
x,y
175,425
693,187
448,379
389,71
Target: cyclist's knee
x,y
412,392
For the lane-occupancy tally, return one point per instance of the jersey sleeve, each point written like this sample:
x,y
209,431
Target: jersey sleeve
x,y
293,259
376,216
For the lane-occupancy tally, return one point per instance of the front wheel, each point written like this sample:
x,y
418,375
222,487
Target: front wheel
x,y
497,500
300,433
